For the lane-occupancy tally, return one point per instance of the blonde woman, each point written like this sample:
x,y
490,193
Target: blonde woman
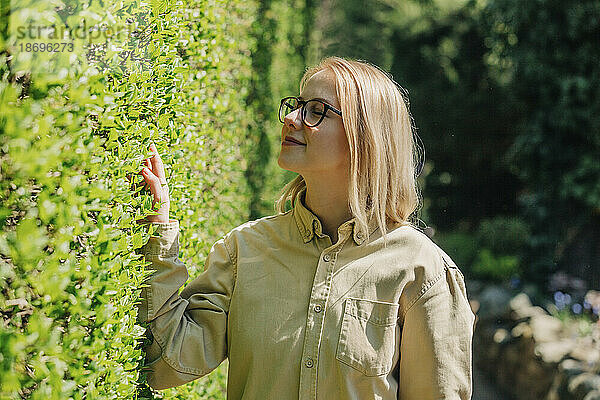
x,y
340,297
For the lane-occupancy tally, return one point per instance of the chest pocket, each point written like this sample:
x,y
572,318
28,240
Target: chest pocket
x,y
366,341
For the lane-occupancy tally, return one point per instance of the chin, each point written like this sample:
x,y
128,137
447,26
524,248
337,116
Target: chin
x,y
287,166
283,165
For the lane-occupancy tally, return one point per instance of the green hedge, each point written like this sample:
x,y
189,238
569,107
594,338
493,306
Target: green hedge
x,y
69,274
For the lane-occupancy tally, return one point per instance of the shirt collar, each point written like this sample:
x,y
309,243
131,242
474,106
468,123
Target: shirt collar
x,y
309,224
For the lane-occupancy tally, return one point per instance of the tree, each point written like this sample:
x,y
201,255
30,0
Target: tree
x,y
553,47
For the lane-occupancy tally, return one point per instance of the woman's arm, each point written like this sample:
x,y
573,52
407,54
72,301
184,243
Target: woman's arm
x,y
188,331
436,342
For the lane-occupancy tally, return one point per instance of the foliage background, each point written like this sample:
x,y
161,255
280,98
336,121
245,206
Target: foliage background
x,y
505,97
69,272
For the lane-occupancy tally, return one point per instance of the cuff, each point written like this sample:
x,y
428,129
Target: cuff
x,y
165,240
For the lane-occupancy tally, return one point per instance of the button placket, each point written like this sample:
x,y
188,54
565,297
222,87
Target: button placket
x,y
321,290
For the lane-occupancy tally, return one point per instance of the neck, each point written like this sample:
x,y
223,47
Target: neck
x,y
328,200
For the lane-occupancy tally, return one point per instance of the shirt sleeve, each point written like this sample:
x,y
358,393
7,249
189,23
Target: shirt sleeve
x,y
188,331
436,340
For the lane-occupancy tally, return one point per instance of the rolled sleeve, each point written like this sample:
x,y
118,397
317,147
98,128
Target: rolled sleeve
x,y
436,341
188,331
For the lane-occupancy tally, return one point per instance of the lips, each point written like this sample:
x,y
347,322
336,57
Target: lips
x,y
291,139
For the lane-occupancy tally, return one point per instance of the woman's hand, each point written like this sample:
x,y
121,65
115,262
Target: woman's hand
x,y
155,180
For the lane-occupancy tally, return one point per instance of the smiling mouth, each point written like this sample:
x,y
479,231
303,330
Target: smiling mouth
x,y
292,140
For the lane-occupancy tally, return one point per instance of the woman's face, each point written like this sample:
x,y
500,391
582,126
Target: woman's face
x,y
326,149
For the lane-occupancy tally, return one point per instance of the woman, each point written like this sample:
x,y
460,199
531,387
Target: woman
x,y
339,297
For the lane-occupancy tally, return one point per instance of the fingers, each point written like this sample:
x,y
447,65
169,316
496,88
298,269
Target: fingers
x,y
157,165
154,180
153,183
153,173
135,185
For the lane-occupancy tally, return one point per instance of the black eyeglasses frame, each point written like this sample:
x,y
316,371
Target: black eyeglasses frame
x,y
302,104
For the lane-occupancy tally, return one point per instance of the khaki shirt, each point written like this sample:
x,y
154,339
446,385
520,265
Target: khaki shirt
x,y
302,318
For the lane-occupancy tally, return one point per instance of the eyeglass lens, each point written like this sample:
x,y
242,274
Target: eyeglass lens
x,y
312,112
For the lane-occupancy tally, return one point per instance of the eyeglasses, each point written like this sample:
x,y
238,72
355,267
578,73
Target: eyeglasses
x,y
313,111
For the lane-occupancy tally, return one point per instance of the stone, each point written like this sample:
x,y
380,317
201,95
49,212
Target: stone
x,y
474,305
571,367
554,352
545,328
522,329
521,307
520,301
530,352
582,384
527,313
566,283
593,298
502,336
593,395
567,369
586,351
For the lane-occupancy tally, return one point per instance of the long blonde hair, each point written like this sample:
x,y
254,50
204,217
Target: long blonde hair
x,y
381,136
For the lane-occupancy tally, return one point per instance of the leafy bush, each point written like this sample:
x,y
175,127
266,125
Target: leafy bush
x,y
555,153
503,241
461,246
503,235
494,252
490,267
69,275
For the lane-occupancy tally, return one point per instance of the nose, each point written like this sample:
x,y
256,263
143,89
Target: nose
x,y
293,120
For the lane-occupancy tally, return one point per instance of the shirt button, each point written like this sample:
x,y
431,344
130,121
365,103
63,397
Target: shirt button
x,y
309,363
359,235
318,308
326,257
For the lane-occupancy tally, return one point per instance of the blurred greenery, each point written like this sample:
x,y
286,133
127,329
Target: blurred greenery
x,y
494,252
462,247
491,267
556,78
505,95
503,235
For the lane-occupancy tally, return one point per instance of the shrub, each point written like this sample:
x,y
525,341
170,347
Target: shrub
x,y
491,267
503,235
69,275
461,246
493,253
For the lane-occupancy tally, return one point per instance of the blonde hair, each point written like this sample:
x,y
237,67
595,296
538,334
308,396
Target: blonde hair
x,y
381,137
